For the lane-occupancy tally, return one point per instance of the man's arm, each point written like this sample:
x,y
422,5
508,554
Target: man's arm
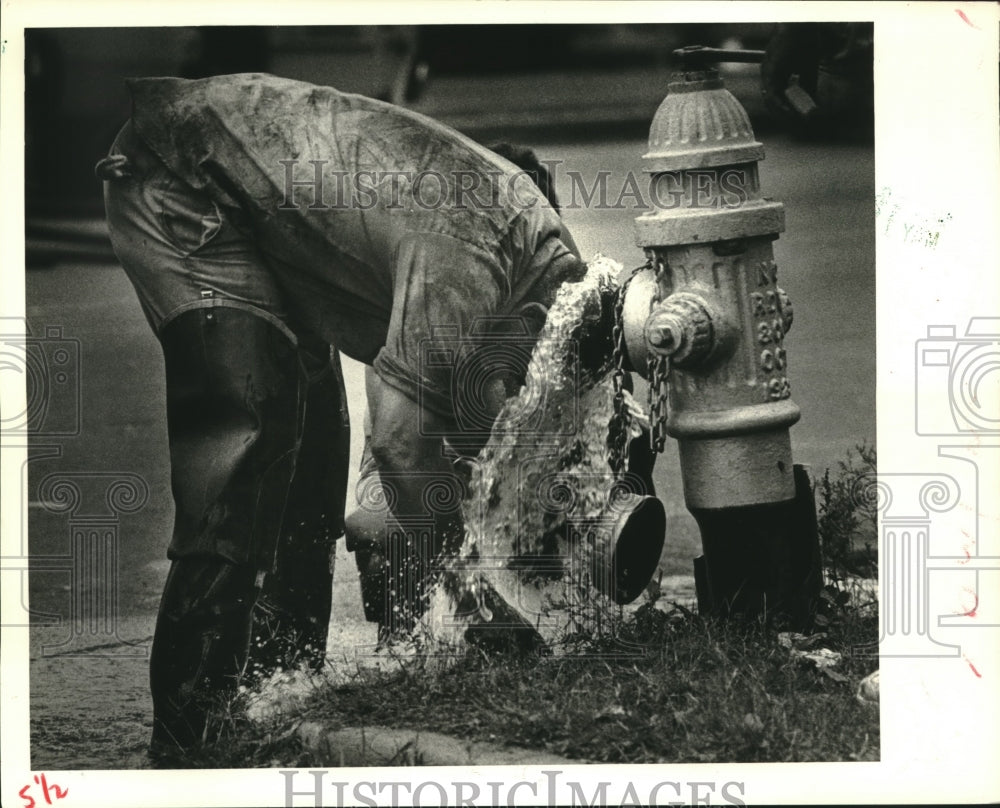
x,y
411,464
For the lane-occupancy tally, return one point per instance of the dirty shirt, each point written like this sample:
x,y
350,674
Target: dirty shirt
x,y
391,235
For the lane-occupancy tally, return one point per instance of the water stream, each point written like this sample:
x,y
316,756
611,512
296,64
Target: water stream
x,y
542,502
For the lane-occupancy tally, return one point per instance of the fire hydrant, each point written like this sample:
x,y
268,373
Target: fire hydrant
x,y
705,322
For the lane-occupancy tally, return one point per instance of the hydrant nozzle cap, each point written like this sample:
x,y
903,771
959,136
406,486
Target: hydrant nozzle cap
x,y
681,327
700,124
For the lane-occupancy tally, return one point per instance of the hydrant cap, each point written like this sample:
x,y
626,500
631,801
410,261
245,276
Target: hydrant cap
x,y
700,124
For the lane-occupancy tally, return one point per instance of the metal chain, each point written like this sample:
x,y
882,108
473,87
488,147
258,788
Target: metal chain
x,y
618,428
659,391
658,369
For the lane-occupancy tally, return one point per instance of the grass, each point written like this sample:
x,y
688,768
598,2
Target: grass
x,y
688,689
700,691
670,686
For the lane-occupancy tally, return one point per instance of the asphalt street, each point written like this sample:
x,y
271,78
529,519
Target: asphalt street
x,y
826,261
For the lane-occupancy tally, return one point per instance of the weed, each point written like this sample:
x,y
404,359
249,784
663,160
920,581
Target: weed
x,y
847,519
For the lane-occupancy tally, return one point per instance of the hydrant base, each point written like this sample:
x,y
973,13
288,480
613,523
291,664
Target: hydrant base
x,y
736,471
761,560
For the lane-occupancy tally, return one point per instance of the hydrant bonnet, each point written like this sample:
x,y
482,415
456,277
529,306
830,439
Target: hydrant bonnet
x,y
709,129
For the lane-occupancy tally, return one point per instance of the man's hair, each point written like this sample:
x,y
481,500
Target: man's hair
x,y
527,161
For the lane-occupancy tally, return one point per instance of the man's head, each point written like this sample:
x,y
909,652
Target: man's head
x,y
527,161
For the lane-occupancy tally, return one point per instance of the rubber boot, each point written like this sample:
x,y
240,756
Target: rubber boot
x,y
292,616
199,648
234,417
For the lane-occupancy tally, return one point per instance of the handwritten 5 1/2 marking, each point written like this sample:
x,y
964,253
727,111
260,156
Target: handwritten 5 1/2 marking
x,y
50,791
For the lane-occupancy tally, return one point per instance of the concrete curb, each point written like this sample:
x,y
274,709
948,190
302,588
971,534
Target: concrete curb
x,y
383,746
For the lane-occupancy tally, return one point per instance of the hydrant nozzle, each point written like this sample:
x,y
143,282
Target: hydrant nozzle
x,y
682,329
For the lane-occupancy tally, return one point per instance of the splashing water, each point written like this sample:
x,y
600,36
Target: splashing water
x,y
540,510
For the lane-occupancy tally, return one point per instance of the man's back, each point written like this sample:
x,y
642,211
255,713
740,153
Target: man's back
x,y
394,187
